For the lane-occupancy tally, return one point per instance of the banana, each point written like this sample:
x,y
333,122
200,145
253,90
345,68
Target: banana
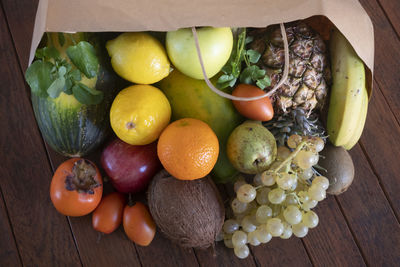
x,y
360,125
349,97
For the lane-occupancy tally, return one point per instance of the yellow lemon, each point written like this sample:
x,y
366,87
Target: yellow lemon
x,y
139,114
138,57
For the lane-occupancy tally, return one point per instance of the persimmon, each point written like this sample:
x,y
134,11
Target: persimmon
x,y
76,187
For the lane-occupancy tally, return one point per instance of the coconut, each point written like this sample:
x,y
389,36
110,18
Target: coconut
x,y
190,213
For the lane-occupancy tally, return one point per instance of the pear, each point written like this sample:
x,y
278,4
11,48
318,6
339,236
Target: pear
x,y
251,148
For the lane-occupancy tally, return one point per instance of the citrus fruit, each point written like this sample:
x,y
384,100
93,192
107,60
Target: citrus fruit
x,y
139,113
138,57
188,149
191,98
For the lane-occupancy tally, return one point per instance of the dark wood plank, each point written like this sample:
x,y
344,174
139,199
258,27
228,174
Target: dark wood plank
x,y
221,256
387,55
9,255
331,242
382,147
98,249
370,216
21,18
279,252
392,8
162,252
42,235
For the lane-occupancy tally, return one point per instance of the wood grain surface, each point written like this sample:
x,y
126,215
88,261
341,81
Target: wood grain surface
x,y
41,234
358,228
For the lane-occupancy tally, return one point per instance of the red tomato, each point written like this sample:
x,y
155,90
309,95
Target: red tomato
x,y
138,224
259,110
76,187
108,215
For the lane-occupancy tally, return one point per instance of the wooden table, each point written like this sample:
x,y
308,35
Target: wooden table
x,y
357,228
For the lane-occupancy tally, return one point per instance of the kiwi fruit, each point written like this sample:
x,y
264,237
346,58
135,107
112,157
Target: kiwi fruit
x,y
340,168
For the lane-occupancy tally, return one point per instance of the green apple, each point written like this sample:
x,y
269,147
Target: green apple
x,y
215,46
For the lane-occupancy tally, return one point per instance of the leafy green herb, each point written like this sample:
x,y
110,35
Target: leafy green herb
x,y
47,53
226,80
75,75
249,39
84,58
86,94
264,82
39,77
50,74
253,56
56,87
233,69
68,86
251,73
58,84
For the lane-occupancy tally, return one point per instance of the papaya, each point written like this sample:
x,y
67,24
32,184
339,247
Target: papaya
x,y
191,98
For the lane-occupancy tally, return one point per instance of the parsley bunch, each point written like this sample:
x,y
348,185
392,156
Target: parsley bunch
x,y
251,74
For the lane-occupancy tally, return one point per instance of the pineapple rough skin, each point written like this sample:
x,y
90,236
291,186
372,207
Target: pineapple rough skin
x,y
309,71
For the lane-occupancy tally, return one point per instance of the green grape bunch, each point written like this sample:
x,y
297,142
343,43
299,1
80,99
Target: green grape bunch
x,y
278,202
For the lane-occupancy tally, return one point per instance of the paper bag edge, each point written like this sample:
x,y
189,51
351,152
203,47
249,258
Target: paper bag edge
x,y
39,27
41,21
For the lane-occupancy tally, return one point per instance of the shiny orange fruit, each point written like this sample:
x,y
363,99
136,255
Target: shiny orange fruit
x,y
188,149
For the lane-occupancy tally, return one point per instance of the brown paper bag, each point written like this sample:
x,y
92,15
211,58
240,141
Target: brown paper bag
x,y
164,15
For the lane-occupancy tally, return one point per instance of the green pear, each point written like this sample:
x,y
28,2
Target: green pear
x,y
251,148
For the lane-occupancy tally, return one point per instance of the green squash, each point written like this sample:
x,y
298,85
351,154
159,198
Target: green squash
x,y
68,126
191,98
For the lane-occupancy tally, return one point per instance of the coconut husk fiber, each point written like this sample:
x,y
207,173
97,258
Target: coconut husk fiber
x,y
190,213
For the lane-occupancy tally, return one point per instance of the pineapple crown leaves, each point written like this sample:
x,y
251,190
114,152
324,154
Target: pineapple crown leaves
x,y
295,122
51,74
233,69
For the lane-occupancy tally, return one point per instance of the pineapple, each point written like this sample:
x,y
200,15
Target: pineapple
x,y
309,73
295,122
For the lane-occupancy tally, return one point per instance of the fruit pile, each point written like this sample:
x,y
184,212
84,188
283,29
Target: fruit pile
x,y
175,137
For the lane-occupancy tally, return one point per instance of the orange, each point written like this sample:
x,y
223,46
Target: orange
x,y
188,149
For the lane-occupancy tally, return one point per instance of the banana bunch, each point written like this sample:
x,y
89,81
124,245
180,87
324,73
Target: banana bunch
x,y
349,97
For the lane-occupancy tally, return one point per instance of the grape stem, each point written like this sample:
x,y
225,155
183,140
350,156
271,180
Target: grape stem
x,y
296,197
291,157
